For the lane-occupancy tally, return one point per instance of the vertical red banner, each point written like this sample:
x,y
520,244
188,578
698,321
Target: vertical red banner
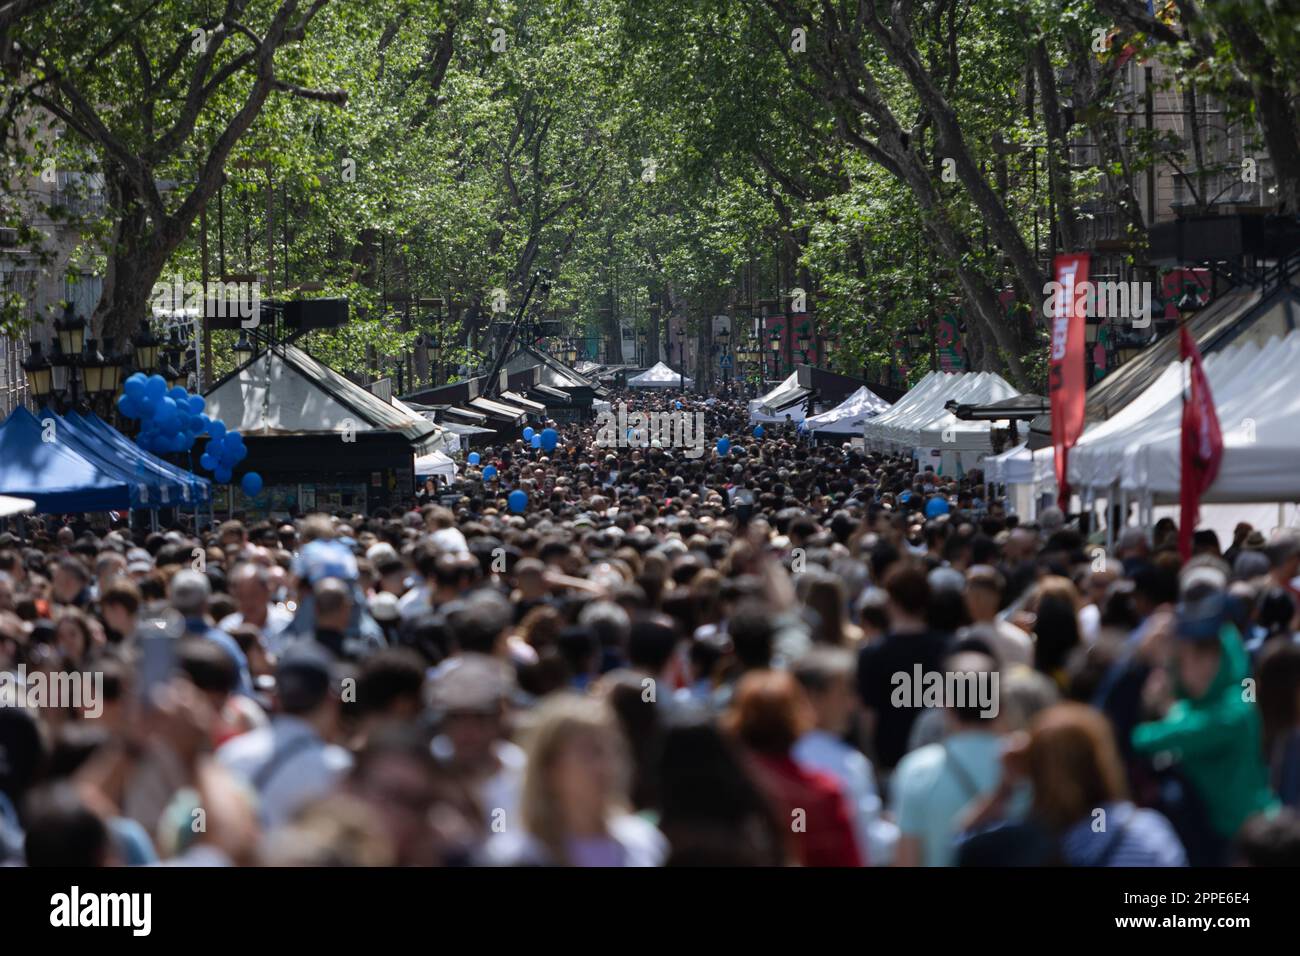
x,y
1202,443
1066,373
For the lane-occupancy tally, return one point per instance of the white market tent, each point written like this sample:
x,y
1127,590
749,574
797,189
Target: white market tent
x,y
1257,397
949,432
660,376
775,405
436,465
848,416
880,431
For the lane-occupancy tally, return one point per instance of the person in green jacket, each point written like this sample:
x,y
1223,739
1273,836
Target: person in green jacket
x,y
1213,728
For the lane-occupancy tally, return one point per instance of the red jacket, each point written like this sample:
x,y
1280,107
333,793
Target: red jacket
x,y
821,835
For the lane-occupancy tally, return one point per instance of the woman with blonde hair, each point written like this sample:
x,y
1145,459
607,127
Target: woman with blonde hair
x,y
574,807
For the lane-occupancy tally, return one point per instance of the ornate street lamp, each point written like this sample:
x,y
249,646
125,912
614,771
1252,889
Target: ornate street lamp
x,y
71,332
96,367
40,379
915,338
146,345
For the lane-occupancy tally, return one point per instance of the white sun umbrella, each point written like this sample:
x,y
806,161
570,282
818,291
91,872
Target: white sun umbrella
x,y
10,505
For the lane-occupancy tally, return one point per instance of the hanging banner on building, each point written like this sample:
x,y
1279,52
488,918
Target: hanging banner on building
x,y
1066,382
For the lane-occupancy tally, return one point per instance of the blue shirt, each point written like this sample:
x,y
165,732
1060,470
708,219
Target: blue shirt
x,y
1132,837
933,785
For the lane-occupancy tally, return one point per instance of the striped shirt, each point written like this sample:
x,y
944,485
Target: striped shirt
x,y
1131,837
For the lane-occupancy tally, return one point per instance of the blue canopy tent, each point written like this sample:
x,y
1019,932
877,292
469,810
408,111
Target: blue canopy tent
x,y
148,490
194,488
52,473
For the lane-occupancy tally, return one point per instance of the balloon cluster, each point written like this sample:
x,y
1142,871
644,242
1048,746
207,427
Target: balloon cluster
x,y
224,450
170,421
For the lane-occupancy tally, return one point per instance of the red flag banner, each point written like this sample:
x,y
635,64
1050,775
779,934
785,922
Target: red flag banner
x,y
1202,443
1066,383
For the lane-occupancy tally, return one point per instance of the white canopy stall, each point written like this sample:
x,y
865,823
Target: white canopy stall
x,y
435,465
848,416
660,376
788,398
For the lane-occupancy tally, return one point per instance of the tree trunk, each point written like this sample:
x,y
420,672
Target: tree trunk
x,y
134,265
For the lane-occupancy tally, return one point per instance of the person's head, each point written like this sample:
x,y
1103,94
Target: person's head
x,y
1073,764
70,579
468,700
109,565
1056,622
209,668
250,585
826,675
752,634
977,692
908,588
189,592
62,830
577,773
478,623
389,685
231,536
1270,839
396,776
825,597
984,589
711,809
1278,671
333,604
769,712
652,641
1284,555
73,637
119,606
305,685
1196,661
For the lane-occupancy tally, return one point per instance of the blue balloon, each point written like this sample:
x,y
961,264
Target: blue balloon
x,y
679,406
134,386
489,472
550,438
724,445
178,394
204,422
207,462
536,441
528,433
936,506
251,483
473,458
240,454
223,475
216,428
155,387
232,441
197,404
518,500
129,406
758,431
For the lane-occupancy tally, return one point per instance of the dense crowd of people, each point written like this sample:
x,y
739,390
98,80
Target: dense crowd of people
x,y
663,659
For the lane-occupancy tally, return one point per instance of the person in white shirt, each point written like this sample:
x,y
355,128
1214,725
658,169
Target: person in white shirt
x,y
827,675
293,761
250,585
